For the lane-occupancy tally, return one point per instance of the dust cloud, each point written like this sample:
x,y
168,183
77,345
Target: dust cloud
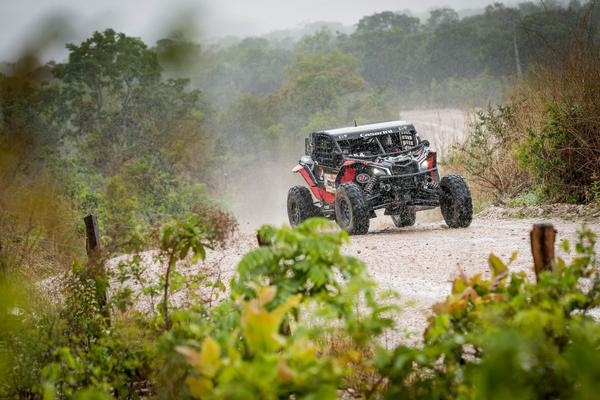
x,y
261,193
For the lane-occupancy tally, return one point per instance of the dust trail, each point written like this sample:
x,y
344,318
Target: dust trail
x,y
261,193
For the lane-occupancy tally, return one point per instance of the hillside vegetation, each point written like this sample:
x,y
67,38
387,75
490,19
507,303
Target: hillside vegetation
x,y
543,144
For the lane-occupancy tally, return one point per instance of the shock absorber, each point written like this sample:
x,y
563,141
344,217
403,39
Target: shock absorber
x,y
369,186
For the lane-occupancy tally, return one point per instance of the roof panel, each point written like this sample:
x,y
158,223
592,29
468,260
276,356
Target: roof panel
x,y
369,130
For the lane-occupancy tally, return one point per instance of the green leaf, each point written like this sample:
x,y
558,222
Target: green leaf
x,y
498,267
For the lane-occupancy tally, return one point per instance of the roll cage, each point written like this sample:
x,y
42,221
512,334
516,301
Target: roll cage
x,y
331,148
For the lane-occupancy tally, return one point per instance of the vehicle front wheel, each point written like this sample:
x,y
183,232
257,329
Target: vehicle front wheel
x,y
406,217
455,201
300,205
351,209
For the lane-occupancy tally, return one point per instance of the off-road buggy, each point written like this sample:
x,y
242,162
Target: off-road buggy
x,y
351,172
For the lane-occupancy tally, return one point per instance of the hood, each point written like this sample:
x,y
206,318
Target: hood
x,y
402,159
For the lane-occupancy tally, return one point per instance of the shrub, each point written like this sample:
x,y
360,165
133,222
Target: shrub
x,y
505,337
560,111
268,366
498,338
546,138
487,156
271,341
557,154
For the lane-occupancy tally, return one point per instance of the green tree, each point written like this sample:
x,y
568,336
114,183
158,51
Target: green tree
x,y
388,21
131,130
317,81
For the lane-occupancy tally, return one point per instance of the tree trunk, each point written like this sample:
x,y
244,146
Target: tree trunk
x,y
516,50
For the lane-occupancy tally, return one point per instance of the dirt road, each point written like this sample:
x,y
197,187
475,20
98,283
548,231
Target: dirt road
x,y
420,262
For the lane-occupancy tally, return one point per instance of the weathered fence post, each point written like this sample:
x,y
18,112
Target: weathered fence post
x,y
92,236
96,264
542,248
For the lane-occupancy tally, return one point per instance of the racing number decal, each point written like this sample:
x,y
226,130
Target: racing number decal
x,y
329,181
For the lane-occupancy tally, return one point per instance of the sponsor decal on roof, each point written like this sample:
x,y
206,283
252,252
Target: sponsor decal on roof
x,y
377,133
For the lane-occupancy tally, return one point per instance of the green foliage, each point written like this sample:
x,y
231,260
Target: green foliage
x,y
304,260
505,337
114,364
487,154
270,366
317,81
387,21
274,349
129,135
492,338
548,153
550,121
307,261
66,350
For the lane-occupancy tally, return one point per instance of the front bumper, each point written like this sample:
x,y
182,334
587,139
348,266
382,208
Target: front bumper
x,y
413,189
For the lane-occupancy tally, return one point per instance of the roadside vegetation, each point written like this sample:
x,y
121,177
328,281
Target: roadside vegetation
x,y
542,145
301,320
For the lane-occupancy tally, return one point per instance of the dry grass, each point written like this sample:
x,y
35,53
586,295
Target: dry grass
x,y
568,87
362,380
40,235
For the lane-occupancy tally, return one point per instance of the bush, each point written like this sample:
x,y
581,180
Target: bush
x,y
487,156
560,112
504,337
546,138
557,155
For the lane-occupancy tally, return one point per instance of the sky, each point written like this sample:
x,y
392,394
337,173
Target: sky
x,y
27,23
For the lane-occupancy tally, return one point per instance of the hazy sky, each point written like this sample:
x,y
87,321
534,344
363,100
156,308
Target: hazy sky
x,y
21,20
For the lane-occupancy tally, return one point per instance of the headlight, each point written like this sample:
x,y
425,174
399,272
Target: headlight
x,y
380,171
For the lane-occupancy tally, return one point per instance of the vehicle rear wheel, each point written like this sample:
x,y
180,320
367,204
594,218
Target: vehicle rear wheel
x,y
300,205
351,209
455,201
406,217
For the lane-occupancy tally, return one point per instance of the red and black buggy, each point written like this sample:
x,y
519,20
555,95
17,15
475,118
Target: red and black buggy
x,y
351,172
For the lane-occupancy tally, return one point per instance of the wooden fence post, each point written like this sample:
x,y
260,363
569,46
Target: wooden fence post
x,y
95,263
92,236
542,248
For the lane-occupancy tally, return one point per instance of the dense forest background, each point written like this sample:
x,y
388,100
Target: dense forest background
x,y
136,133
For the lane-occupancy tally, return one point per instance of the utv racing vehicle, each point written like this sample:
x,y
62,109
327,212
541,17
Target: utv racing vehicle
x,y
351,172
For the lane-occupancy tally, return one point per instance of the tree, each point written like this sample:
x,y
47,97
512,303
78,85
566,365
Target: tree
x,y
441,16
128,126
322,41
316,81
388,21
252,66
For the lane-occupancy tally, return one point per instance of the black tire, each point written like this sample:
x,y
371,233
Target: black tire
x,y
351,209
455,202
406,217
300,205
